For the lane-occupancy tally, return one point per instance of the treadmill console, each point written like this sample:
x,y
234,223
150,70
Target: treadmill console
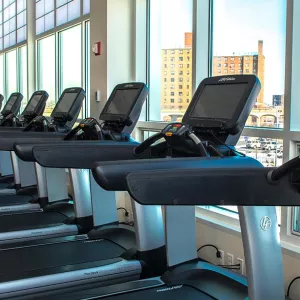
x,y
67,109
222,104
12,105
124,106
119,115
36,106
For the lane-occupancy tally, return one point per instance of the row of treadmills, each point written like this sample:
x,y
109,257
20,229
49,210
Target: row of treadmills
x,y
59,246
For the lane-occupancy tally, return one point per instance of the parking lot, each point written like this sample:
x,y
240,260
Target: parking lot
x,y
269,152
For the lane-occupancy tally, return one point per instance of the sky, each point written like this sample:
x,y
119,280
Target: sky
x,y
237,27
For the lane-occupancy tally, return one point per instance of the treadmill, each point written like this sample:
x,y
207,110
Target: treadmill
x,y
9,111
26,175
11,107
110,253
183,171
35,107
57,217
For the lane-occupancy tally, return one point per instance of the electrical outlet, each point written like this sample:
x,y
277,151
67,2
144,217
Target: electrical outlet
x,y
222,258
229,259
242,265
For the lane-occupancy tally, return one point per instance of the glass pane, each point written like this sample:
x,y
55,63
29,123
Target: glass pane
x,y
70,58
73,10
23,75
49,6
21,34
21,5
267,151
11,72
86,6
252,48
40,9
40,25
170,58
49,21
46,70
61,15
21,19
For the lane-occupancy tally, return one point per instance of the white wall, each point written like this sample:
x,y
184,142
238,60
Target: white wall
x,y
232,243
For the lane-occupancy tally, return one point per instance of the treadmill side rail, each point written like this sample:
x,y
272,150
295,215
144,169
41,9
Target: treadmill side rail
x,y
114,271
59,230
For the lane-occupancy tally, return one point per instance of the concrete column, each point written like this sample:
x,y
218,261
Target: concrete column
x,y
31,47
112,24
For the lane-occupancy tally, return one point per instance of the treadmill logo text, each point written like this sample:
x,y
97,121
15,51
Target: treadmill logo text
x,y
265,223
227,79
169,289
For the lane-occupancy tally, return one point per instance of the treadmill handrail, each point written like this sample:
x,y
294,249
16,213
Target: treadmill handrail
x,y
7,144
112,175
211,186
77,154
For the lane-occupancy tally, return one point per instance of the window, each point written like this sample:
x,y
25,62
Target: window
x,y
232,58
44,15
172,59
232,65
46,78
64,10
13,22
167,33
172,100
225,58
172,79
180,94
11,72
180,79
225,65
262,41
172,94
180,86
165,79
219,58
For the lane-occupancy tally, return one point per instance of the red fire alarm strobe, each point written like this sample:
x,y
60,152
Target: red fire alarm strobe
x,y
97,48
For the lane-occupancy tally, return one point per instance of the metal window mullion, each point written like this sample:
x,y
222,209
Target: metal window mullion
x,y
83,65
57,66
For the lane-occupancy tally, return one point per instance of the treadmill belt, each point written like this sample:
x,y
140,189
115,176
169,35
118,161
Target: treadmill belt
x,y
32,220
21,263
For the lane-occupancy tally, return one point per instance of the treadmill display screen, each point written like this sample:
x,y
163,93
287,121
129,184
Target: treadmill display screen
x,y
33,103
66,103
219,101
122,102
10,103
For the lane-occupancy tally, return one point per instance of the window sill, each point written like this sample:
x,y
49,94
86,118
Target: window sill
x,y
230,225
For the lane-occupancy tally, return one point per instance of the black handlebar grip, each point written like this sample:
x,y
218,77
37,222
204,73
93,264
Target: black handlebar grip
x,y
147,143
289,166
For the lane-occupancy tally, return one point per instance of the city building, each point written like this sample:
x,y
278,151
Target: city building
x,y
247,63
176,91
